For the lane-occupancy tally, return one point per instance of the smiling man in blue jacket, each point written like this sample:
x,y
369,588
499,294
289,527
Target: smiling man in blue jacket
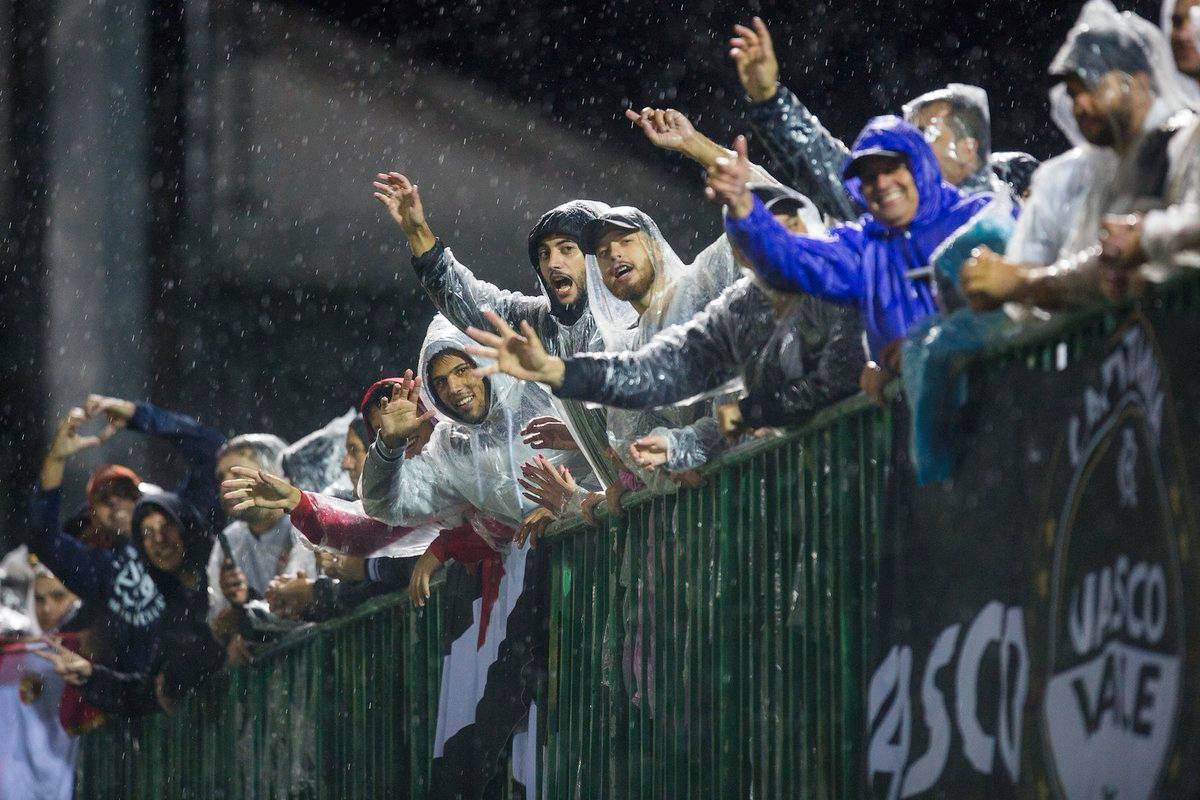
x,y
876,263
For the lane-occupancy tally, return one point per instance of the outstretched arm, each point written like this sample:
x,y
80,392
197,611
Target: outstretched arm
x,y
809,156
451,286
672,130
198,444
678,363
824,266
82,570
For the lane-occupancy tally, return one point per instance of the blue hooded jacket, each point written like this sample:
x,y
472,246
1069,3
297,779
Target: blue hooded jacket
x,y
864,263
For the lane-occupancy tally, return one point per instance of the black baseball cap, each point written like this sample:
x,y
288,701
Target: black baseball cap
x,y
855,164
624,218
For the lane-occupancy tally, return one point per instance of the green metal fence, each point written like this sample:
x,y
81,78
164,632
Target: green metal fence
x,y
346,709
706,644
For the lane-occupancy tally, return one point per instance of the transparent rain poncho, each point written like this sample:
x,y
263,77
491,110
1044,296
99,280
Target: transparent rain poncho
x,y
678,293
962,94
938,347
462,298
314,462
467,469
1102,41
1189,84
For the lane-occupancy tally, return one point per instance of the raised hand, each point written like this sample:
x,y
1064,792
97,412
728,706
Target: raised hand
x,y
67,439
114,408
534,525
665,128
727,179
549,486
402,200
753,53
548,433
70,666
519,355
399,415
253,488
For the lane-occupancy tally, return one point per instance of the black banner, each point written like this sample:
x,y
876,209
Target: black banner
x,y
1038,635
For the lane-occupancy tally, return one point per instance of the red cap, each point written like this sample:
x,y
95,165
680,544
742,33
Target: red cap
x,y
105,477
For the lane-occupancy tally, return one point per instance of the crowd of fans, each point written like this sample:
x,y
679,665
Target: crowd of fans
x,y
849,268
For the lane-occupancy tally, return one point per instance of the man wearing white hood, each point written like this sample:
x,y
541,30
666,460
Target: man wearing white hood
x,y
1128,195
792,354
470,466
561,314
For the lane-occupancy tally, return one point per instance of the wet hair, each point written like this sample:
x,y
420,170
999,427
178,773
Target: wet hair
x,y
362,429
445,353
265,448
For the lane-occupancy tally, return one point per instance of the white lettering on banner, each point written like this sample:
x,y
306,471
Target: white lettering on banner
x,y
1132,368
1116,634
1133,601
1108,714
891,734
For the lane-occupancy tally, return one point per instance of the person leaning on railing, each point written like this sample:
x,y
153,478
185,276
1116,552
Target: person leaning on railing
x,y
878,263
1135,192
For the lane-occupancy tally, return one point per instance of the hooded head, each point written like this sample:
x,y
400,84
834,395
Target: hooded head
x,y
1113,68
112,491
556,253
171,537
784,203
957,124
314,462
635,262
894,176
447,381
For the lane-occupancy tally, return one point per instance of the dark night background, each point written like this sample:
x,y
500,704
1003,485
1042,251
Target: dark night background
x,y
186,198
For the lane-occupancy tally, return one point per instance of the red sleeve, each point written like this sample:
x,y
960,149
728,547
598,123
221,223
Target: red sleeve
x,y
462,544
304,518
341,525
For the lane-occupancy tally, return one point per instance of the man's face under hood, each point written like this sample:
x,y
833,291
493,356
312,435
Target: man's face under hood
x,y
563,269
958,156
1106,111
162,541
626,265
457,388
889,190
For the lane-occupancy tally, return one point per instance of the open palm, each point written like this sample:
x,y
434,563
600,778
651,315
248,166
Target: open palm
x,y
253,488
665,128
402,200
399,415
520,355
